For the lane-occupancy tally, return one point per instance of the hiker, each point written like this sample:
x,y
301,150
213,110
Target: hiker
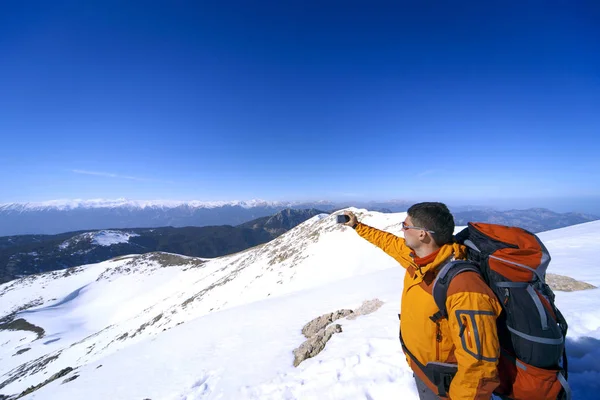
x,y
465,344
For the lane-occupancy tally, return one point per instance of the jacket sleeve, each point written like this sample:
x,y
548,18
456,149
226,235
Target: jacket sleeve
x,y
393,245
472,312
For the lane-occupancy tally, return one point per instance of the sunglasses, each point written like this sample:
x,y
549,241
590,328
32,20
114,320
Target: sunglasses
x,y
405,227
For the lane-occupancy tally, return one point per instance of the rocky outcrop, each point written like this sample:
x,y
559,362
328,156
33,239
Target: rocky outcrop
x,y
367,307
315,344
22,325
317,324
318,332
566,284
19,352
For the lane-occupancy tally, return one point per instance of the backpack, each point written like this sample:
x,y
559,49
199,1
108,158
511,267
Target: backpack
x,y
531,330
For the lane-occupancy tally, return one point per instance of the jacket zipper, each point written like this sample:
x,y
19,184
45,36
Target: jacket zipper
x,y
438,340
466,327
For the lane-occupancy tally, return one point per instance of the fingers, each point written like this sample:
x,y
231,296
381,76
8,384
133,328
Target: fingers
x,y
352,218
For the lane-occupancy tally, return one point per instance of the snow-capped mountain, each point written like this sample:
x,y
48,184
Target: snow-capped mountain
x,y
165,326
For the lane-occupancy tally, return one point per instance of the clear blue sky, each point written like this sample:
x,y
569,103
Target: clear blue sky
x,y
299,100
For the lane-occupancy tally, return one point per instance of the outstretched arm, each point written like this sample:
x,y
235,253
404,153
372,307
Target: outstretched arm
x,y
391,244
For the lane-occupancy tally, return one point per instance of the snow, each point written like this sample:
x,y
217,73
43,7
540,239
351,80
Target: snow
x,y
574,251
99,238
107,238
251,357
234,338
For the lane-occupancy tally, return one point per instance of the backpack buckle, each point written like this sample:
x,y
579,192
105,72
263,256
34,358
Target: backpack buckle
x,y
437,316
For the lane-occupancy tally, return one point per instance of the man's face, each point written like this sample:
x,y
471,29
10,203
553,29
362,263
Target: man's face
x,y
411,236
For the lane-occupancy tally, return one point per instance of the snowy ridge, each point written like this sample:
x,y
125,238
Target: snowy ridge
x,y
164,326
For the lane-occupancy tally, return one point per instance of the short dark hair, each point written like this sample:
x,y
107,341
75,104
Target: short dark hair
x,y
434,217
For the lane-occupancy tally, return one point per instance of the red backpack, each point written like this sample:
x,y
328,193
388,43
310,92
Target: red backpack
x,y
532,331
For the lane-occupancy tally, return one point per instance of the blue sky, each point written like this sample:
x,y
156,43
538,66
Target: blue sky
x,y
297,100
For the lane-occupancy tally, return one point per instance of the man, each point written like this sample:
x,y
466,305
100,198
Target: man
x,y
465,344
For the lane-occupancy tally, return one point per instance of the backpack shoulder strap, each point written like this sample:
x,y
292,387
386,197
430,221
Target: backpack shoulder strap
x,y
442,283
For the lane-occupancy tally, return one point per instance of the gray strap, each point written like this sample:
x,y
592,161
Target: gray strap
x,y
539,306
439,295
513,359
536,339
444,271
442,364
471,245
519,265
565,385
451,262
517,285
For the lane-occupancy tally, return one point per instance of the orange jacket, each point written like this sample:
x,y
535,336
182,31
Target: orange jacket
x,y
470,303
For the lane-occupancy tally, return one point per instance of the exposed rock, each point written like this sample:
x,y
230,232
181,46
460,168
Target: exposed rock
x,y
318,333
566,284
29,368
367,307
147,324
172,260
32,389
22,351
69,379
22,325
8,322
315,344
314,326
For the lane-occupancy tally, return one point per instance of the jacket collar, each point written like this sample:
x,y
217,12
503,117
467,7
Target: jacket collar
x,y
446,252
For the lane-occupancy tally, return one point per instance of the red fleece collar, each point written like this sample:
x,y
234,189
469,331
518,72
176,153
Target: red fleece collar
x,y
421,262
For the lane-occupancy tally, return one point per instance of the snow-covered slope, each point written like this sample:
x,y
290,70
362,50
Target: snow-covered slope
x,y
575,251
163,326
99,238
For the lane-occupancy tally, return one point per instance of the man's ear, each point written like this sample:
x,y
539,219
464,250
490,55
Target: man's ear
x,y
424,237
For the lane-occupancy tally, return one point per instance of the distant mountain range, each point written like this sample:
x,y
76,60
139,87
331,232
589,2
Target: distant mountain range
x,y
28,254
534,219
55,217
